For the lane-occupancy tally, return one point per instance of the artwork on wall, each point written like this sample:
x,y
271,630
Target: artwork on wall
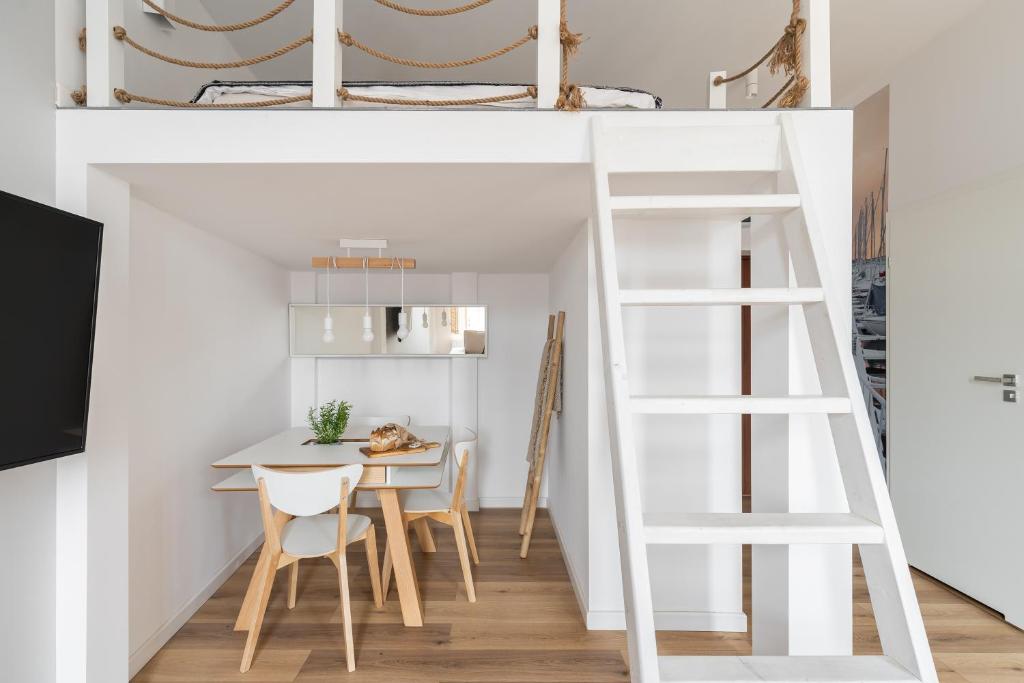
x,y
870,206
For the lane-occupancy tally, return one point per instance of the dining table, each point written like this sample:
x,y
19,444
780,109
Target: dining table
x,y
294,449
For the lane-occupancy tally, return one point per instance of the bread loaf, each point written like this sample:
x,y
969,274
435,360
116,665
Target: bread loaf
x,y
390,437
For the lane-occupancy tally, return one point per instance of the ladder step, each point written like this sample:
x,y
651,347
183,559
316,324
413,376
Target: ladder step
x,y
739,405
856,669
720,297
760,528
700,206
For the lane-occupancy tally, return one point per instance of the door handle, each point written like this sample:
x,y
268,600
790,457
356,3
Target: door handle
x,y
1005,380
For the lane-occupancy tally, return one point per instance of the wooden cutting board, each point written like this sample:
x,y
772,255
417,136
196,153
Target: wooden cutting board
x,y
405,450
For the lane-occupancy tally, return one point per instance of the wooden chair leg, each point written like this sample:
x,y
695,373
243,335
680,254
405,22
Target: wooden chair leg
x,y
469,534
423,535
371,563
386,571
260,610
346,610
293,583
467,569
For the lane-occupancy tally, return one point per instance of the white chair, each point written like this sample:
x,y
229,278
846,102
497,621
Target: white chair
x,y
432,504
305,496
366,421
468,443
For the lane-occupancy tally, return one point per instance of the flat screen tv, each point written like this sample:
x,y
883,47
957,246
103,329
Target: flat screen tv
x,y
49,277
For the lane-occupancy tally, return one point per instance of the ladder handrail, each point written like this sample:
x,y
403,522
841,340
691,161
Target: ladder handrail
x,y
900,626
636,582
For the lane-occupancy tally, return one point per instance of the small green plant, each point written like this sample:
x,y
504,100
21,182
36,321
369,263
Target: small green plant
x,y
330,423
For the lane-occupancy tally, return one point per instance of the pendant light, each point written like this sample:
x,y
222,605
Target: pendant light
x,y
328,320
426,323
403,322
367,320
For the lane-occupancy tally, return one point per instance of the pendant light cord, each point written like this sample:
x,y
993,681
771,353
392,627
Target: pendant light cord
x,y
366,271
330,264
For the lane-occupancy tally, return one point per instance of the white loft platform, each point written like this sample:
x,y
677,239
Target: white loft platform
x,y
151,136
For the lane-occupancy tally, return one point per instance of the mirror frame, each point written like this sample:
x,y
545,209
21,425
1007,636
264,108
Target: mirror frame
x,y
291,332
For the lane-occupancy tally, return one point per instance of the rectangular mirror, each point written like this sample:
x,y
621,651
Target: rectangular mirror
x,y
434,331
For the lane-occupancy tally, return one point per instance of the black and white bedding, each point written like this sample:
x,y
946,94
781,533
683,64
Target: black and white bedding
x,y
597,97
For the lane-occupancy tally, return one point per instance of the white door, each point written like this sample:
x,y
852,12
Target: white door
x,y
956,292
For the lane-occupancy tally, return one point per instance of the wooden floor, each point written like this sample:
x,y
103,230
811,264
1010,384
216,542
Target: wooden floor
x,y
525,626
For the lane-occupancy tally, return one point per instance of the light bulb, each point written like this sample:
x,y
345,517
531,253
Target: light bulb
x,y
367,328
328,329
403,326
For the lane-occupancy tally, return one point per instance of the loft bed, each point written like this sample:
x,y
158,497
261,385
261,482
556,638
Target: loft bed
x,y
406,94
555,45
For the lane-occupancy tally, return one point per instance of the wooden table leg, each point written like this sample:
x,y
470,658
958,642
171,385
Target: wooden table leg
x,y
252,593
424,536
405,571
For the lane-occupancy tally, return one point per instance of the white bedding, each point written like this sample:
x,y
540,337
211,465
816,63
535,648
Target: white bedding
x,y
596,97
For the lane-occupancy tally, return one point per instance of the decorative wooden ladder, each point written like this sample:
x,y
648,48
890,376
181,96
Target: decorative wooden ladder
x,y
870,524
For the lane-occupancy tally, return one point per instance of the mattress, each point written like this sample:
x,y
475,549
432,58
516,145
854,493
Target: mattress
x,y
597,97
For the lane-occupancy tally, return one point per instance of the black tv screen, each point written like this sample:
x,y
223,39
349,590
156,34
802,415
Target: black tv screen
x,y
50,277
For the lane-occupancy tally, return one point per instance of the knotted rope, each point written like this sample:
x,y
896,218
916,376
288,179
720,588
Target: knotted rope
x,y
348,41
445,12
81,40
786,55
788,58
214,27
79,96
125,97
344,94
121,34
570,96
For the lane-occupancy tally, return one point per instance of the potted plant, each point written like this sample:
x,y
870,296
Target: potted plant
x,y
330,422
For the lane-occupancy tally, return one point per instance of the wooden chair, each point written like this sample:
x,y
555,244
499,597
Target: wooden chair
x,y
423,505
305,496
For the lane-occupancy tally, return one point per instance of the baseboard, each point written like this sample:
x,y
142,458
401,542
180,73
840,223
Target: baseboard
x,y
148,649
508,502
578,588
728,622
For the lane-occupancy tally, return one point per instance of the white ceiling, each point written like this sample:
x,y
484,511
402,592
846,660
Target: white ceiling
x,y
664,46
454,217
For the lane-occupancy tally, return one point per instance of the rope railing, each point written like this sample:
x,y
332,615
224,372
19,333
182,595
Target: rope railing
x,y
531,91
441,12
786,56
570,96
125,97
348,41
121,34
218,27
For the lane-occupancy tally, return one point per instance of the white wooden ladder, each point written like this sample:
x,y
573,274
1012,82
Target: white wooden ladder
x,y
870,523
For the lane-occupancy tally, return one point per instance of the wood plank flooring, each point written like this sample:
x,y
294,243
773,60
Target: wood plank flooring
x,y
526,626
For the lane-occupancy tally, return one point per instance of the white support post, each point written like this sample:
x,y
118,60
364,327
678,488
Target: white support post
x,y
718,95
327,50
817,50
104,55
549,53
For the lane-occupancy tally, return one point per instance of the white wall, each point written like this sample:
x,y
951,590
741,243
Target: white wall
x,y
955,106
423,387
27,494
687,464
567,464
518,322
210,376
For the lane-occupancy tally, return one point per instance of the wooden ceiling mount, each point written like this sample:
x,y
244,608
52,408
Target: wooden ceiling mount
x,y
359,262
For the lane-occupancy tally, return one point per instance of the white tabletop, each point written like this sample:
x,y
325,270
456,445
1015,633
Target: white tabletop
x,y
286,450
